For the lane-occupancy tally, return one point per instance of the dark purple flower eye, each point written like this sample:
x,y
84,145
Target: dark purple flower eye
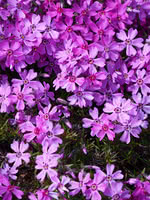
x,y
94,187
139,81
117,110
20,96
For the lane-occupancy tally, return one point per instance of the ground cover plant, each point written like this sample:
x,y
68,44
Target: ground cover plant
x,y
74,99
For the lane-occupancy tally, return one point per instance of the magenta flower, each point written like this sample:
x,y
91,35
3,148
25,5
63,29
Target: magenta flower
x,y
34,131
119,109
140,81
8,190
56,10
105,128
19,154
71,81
129,41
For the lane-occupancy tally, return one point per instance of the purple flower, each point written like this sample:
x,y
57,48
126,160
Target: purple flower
x,y
46,162
60,185
27,77
49,31
129,41
81,185
19,154
95,186
108,181
140,81
129,128
19,97
119,109
80,98
5,101
9,171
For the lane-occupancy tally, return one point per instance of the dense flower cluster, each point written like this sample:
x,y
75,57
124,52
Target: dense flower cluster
x,y
98,54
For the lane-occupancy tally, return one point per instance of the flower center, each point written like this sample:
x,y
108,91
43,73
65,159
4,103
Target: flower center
x,y
94,187
116,197
49,134
92,77
140,105
81,184
18,154
119,18
125,75
10,187
79,93
33,27
10,52
59,10
117,110
100,32
37,131
2,37
48,28
20,96
46,116
84,12
128,41
105,127
108,178
45,166
26,81
84,46
139,81
69,29
106,49
72,78
91,61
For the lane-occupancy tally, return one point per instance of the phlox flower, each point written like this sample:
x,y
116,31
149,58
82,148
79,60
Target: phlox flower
x,y
44,194
129,41
132,127
19,154
119,109
108,181
104,128
20,96
46,162
94,186
5,101
140,81
80,98
49,30
33,131
116,193
10,51
9,171
81,184
27,80
71,81
8,190
60,185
